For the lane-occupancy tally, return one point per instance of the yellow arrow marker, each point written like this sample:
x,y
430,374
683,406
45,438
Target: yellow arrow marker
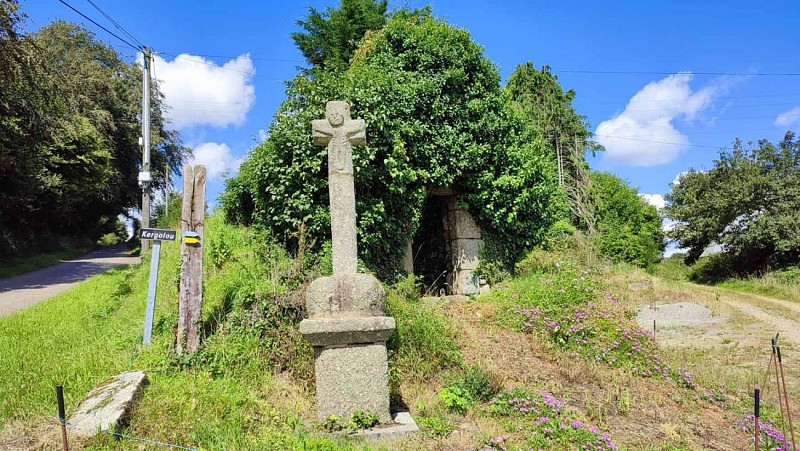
x,y
191,240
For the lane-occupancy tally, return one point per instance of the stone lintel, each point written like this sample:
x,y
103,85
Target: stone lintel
x,y
440,191
347,331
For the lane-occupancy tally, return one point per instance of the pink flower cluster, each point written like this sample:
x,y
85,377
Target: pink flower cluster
x,y
549,419
770,437
603,332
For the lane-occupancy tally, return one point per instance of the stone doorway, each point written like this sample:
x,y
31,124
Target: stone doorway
x,y
446,248
429,246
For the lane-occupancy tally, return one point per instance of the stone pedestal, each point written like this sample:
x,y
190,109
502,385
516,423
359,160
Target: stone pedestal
x,y
348,332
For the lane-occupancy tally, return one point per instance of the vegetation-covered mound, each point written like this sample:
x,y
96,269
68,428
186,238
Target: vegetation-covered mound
x,y
436,117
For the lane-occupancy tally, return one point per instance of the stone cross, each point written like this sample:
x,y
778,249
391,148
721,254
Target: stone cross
x,y
340,134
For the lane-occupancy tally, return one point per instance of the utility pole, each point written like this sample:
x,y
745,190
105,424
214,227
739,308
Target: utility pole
x,y
167,190
144,176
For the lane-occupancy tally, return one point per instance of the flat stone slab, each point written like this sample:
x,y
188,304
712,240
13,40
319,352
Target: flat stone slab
x,y
348,330
107,406
675,314
639,286
402,424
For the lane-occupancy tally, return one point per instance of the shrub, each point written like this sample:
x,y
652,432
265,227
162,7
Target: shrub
x,y
476,383
456,399
629,228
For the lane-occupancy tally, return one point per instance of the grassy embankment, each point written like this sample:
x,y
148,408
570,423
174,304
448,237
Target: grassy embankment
x,y
548,360
781,283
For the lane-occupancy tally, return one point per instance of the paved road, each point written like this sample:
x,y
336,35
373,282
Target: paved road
x,y
24,290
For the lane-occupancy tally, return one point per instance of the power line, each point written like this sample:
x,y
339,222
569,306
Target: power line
x,y
104,28
627,138
252,74
672,99
232,57
119,27
621,72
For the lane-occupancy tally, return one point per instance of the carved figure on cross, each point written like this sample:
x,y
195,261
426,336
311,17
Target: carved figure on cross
x,y
340,133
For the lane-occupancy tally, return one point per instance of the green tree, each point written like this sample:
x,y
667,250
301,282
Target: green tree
x,y
331,37
69,129
436,117
629,229
747,203
538,96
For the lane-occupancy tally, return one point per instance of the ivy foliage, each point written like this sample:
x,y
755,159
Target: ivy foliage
x,y
629,228
436,117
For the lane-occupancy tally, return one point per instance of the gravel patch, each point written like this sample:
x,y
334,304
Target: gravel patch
x,y
675,314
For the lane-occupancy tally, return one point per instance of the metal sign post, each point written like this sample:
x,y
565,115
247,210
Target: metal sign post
x,y
157,235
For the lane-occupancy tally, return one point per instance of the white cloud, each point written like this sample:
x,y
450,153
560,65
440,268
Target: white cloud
x,y
200,92
263,135
644,133
788,118
656,200
677,180
217,158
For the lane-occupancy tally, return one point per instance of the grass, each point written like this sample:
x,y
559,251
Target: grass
x,y
76,339
15,267
251,385
228,396
781,283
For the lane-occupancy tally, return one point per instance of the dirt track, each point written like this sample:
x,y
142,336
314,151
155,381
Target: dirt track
x,y
25,290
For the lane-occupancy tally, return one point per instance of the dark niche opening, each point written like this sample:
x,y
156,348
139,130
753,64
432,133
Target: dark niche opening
x,y
430,246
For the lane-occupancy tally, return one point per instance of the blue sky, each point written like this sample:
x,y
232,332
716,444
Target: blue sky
x,y
222,111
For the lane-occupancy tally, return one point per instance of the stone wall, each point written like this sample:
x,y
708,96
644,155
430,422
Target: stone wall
x,y
448,240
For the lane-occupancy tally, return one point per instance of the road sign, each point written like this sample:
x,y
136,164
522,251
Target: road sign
x,y
158,234
191,237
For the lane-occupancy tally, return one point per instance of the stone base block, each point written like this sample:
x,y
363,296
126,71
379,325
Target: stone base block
x,y
352,378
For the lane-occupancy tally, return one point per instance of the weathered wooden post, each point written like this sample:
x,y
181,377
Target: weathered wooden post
x,y
190,295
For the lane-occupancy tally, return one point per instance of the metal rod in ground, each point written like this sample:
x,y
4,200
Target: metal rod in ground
x,y
62,415
769,367
780,397
757,420
786,399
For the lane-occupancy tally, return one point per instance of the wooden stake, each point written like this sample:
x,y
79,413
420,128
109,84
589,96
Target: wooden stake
x,y
191,285
786,400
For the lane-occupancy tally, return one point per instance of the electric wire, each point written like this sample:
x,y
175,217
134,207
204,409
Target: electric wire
x,y
628,138
621,72
119,27
104,28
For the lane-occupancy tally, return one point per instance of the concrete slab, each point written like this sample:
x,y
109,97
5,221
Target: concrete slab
x,y
107,406
402,424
